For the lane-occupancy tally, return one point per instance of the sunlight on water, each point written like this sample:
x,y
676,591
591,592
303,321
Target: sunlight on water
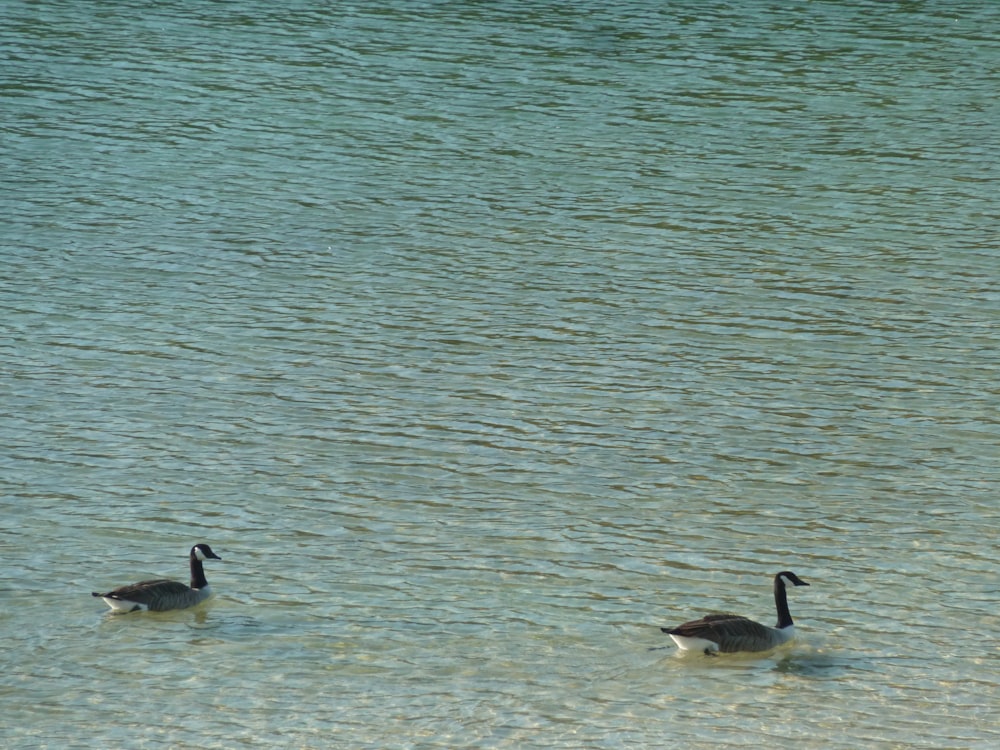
x,y
481,342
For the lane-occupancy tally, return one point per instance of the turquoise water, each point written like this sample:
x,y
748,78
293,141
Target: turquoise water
x,y
483,339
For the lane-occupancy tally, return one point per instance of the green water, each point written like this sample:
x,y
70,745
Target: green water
x,y
483,339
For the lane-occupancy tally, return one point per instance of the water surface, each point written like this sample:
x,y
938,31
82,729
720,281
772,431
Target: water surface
x,y
481,340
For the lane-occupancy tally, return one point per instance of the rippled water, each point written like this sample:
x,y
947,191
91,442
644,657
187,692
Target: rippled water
x,y
481,340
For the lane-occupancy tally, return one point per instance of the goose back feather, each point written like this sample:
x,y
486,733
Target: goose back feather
x,y
728,633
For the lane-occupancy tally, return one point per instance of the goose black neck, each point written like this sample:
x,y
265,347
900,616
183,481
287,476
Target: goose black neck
x,y
197,573
781,602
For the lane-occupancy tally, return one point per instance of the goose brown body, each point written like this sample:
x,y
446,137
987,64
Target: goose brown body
x,y
163,594
731,633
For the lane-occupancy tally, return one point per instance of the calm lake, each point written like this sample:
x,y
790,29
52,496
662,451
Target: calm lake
x,y
483,339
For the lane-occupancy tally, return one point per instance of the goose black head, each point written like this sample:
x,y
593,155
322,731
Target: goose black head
x,y
203,552
790,577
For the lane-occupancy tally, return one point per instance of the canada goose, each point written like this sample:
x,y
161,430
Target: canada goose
x,y
162,594
729,633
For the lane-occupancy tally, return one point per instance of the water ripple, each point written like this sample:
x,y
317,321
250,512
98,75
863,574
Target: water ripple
x,y
482,344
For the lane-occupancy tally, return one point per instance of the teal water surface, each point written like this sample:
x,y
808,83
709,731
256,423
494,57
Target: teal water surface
x,y
481,340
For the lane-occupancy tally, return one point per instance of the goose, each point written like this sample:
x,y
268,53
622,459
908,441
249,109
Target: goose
x,y
162,594
730,633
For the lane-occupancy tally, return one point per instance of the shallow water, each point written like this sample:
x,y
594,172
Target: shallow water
x,y
482,340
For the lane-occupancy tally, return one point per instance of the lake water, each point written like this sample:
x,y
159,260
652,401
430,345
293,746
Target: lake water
x,y
481,340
